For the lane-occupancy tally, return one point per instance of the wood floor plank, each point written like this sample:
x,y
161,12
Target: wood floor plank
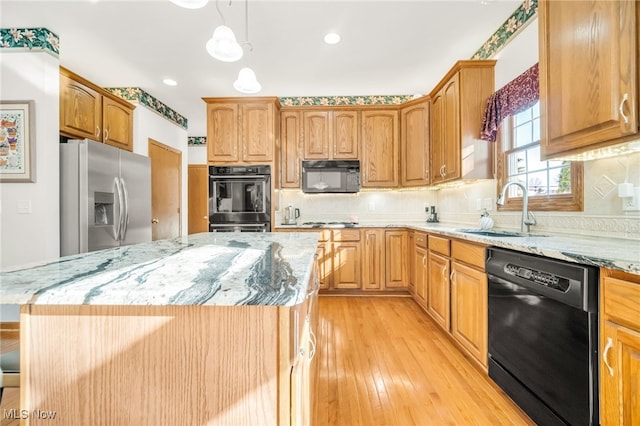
x,y
382,361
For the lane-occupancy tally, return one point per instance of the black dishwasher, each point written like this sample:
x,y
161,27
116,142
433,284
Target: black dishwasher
x,y
543,335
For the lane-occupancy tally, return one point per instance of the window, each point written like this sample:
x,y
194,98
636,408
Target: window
x,y
551,185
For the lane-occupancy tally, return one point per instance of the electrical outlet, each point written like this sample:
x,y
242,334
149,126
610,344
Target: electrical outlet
x,y
632,204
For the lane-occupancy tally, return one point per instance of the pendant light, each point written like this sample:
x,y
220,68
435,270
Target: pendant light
x,y
190,4
223,45
247,81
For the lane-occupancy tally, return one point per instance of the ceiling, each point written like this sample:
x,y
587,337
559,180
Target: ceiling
x,y
387,47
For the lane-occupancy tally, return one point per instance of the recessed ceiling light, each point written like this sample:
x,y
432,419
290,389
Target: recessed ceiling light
x,y
332,38
170,82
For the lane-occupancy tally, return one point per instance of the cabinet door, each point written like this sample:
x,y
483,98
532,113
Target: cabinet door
x,y
290,149
346,265
420,260
588,73
257,132
80,110
411,272
620,375
469,310
316,135
223,132
414,138
396,259
373,260
451,141
438,289
198,198
379,165
325,264
117,123
345,128
437,139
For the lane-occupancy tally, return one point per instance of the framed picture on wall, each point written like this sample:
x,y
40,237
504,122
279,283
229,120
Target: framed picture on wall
x,y
17,141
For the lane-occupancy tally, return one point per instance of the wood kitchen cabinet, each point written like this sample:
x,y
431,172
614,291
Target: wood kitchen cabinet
x,y
346,259
330,135
198,198
457,106
88,111
379,148
420,271
589,74
290,149
396,256
242,130
619,348
469,293
414,143
438,287
373,259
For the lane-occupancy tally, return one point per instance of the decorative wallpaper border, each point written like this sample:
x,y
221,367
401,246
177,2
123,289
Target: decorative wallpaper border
x,y
30,38
509,29
196,140
136,94
344,100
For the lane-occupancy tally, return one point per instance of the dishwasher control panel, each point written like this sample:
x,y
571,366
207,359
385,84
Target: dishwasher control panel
x,y
543,278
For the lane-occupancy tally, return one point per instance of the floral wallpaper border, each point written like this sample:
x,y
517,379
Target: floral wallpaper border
x,y
136,94
197,140
30,38
509,29
344,100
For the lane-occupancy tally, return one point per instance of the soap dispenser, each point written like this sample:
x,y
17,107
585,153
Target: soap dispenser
x,y
486,223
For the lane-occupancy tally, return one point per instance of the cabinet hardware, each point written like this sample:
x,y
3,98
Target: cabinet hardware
x,y
453,277
444,272
106,134
97,132
206,217
608,346
154,220
625,98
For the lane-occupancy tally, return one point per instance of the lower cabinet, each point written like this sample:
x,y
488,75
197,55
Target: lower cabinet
x,y
396,260
373,255
619,348
419,269
438,291
346,265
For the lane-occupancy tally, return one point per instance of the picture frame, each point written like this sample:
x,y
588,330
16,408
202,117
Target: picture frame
x,y
17,141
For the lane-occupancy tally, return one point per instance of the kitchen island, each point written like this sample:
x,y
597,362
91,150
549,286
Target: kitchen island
x,y
209,328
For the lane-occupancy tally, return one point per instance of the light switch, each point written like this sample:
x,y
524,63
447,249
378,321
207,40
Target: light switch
x,y
24,206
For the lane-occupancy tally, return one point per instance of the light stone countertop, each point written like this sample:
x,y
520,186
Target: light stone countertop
x,y
226,269
613,253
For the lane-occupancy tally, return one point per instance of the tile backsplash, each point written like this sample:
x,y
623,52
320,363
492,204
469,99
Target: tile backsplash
x,y
602,216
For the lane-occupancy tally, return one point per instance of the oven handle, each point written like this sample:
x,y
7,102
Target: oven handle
x,y
246,177
255,225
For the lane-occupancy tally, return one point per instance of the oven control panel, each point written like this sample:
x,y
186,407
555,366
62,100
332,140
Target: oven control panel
x,y
538,277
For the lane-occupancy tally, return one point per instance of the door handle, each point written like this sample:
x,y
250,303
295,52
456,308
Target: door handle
x,y
205,218
154,220
605,354
625,98
125,217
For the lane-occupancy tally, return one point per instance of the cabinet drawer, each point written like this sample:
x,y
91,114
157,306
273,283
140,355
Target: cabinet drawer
x,y
470,254
440,245
421,239
346,235
621,300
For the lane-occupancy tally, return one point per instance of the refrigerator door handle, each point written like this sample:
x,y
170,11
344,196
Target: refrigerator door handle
x,y
118,222
125,216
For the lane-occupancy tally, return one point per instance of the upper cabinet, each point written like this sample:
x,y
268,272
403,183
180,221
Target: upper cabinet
x,y
330,135
588,74
414,143
242,130
290,150
457,106
379,148
87,111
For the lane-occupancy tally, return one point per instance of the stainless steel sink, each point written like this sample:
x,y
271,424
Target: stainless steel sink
x,y
495,233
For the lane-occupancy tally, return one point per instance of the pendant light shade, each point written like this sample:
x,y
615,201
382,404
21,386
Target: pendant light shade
x,y
223,45
190,4
247,81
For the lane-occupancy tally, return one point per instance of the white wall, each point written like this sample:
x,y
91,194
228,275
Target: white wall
x,y
149,124
32,237
197,154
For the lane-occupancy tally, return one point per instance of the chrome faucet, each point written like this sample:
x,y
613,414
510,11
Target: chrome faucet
x,y
528,218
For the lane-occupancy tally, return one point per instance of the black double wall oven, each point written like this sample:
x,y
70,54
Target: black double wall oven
x,y
240,198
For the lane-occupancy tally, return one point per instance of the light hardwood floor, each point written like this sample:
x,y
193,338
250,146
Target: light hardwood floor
x,y
382,361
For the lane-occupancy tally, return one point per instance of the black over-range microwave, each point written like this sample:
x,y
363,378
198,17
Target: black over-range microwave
x,y
330,176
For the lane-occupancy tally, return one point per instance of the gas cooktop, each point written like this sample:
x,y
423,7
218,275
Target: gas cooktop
x,y
330,224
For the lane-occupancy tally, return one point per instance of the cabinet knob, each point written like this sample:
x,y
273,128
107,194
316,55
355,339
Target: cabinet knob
x,y
206,217
154,220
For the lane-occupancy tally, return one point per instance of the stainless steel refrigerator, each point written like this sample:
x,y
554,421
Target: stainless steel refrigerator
x,y
105,197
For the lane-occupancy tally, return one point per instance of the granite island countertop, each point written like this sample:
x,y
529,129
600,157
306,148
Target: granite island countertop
x,y
225,269
614,253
